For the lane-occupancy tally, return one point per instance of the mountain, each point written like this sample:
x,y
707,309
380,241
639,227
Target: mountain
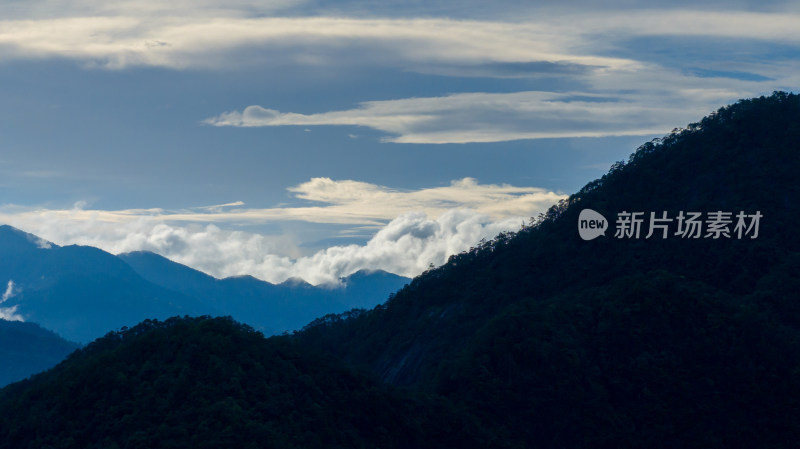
x,y
534,339
26,349
269,307
214,383
82,292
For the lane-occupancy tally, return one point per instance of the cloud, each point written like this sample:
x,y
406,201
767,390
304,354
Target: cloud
x,y
587,53
344,202
118,41
406,245
216,34
8,293
220,207
379,202
494,117
409,229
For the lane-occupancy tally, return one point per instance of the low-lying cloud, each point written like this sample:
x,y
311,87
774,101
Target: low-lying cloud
x,y
409,229
405,246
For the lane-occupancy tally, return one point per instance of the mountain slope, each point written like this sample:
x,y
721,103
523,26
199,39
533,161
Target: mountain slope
x,y
26,349
744,157
649,360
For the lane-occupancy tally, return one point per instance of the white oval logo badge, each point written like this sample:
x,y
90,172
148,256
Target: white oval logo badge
x,y
591,224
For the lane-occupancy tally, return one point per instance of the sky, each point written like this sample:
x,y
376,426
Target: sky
x,y
303,139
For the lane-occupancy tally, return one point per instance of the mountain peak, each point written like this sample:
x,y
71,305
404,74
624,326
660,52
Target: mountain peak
x,y
13,238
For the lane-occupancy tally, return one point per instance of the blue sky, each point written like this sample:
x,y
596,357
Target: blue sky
x,y
308,139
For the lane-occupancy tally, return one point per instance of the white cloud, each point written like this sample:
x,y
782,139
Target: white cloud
x,y
379,202
9,313
343,202
414,228
118,41
9,292
175,34
493,117
405,246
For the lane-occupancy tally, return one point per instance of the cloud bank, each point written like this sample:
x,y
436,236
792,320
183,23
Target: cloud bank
x,y
410,229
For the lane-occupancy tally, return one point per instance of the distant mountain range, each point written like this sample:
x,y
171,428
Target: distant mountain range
x,y
82,292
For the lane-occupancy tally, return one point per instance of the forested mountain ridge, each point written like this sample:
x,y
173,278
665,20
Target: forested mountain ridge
x,y
213,383
694,343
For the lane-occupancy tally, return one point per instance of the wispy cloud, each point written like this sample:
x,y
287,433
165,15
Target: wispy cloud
x,y
118,41
638,94
339,202
494,117
9,313
179,36
8,293
410,228
608,85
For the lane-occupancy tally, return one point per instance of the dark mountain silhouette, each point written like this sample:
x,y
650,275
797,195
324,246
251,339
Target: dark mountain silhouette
x,y
534,339
26,349
214,383
559,342
83,292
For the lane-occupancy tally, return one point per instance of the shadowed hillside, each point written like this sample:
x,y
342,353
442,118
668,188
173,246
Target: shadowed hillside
x,y
214,383
622,342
